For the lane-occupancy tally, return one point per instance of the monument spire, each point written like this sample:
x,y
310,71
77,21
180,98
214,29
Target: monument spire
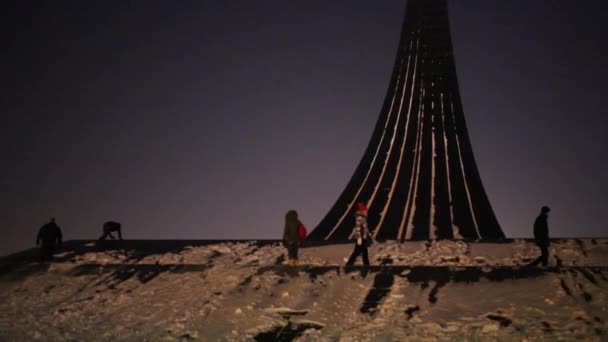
x,y
418,176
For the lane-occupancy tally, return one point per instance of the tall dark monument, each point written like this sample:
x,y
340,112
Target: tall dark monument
x,y
418,176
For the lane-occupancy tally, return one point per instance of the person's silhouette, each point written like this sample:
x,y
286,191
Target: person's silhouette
x,y
541,236
48,235
291,236
110,227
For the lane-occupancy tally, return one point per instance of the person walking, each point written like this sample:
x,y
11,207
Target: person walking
x,y
541,236
362,236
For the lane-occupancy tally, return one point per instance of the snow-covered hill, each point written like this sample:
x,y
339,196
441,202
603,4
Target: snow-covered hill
x,y
240,291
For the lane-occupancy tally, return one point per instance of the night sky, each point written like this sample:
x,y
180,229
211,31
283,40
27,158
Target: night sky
x,y
210,119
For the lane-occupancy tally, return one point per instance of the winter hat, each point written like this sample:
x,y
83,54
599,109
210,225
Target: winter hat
x,y
361,209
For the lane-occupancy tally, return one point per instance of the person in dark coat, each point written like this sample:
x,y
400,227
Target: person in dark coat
x,y
361,235
541,236
50,237
291,236
110,227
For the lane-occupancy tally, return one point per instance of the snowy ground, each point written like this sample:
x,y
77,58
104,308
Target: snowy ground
x,y
240,291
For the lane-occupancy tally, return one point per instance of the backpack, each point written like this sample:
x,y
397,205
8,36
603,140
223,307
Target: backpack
x,y
302,232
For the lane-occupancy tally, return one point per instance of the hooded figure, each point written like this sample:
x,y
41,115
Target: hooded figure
x,y
361,235
50,236
291,236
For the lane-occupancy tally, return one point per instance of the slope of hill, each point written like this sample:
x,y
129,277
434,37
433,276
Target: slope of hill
x,y
240,291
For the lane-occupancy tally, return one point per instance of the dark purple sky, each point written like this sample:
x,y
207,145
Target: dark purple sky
x,y
210,119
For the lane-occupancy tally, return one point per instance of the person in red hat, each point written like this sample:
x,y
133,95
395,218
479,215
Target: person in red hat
x,y
362,236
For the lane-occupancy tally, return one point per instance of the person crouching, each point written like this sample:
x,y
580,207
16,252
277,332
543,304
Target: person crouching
x,y
362,236
109,228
